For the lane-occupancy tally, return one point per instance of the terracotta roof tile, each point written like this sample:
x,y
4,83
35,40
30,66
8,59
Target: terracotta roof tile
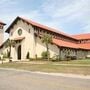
x,y
62,43
85,46
82,36
45,27
41,26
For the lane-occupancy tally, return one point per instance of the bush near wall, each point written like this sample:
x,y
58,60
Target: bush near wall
x,y
70,57
44,55
55,58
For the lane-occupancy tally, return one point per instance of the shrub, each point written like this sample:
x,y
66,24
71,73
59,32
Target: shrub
x,y
55,58
67,58
44,54
5,55
71,57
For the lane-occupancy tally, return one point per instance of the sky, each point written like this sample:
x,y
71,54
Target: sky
x,y
69,16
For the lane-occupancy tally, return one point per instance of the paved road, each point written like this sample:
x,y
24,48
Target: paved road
x,y
21,80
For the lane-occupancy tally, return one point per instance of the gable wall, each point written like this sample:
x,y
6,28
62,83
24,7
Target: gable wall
x,y
28,42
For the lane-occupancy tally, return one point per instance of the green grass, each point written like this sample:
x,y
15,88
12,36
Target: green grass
x,y
52,67
82,62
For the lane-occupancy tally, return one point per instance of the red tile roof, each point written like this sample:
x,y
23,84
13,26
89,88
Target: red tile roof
x,y
41,26
62,43
85,46
18,38
82,36
58,42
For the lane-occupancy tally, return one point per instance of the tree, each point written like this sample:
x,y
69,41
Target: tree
x,y
10,43
47,39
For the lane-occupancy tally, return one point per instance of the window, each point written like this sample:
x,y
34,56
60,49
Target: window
x,y
20,32
29,30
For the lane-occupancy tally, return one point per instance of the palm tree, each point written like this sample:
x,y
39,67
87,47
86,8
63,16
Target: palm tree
x,y
47,39
10,43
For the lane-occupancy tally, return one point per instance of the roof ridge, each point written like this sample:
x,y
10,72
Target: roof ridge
x,y
80,34
41,26
47,27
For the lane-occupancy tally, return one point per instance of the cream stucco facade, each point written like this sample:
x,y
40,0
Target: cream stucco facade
x,y
30,43
27,42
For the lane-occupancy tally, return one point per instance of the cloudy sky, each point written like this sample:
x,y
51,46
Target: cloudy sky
x,y
70,16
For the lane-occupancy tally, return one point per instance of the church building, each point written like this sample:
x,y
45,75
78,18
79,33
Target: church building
x,y
28,34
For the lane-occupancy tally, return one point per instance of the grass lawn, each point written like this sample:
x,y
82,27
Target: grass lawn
x,y
81,62
52,67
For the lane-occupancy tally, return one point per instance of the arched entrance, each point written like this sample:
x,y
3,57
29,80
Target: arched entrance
x,y
19,52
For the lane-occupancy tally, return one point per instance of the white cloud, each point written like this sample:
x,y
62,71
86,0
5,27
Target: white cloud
x,y
5,1
70,8
86,28
61,13
69,11
9,11
10,17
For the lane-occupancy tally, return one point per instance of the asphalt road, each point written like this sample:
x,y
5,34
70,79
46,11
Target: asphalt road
x,y
21,80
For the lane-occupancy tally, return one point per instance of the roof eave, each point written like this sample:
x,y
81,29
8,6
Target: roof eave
x,y
8,29
2,23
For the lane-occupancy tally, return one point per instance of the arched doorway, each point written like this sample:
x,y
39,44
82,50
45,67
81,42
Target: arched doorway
x,y
19,52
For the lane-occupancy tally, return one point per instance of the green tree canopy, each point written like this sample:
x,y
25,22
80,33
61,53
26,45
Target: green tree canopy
x,y
10,43
47,39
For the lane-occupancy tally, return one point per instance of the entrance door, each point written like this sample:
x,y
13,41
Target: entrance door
x,y
19,52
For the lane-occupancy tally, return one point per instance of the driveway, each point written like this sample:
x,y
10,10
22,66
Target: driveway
x,y
23,80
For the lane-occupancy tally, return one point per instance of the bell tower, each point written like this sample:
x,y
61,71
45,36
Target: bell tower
x,y
2,32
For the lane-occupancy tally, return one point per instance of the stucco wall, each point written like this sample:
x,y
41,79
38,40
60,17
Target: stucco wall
x,y
1,36
34,45
40,47
27,44
30,43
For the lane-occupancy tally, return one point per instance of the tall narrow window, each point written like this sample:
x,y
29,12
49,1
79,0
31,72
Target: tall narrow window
x,y
29,30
